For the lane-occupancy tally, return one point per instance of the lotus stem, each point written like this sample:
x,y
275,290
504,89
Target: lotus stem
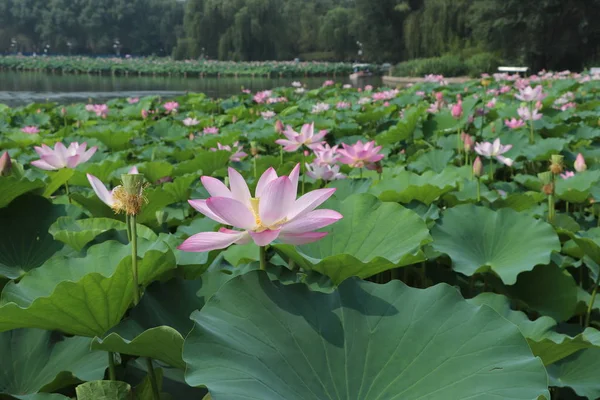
x,y
478,190
550,207
361,173
491,171
68,191
134,264
111,366
281,156
128,223
263,258
458,144
592,300
153,381
567,207
254,162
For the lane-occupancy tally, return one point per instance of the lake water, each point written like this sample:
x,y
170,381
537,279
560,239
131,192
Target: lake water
x,y
19,88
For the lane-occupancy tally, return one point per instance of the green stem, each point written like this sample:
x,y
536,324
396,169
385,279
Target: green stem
x,y
281,156
153,381
263,258
111,367
254,162
478,190
550,208
128,223
68,192
361,172
592,300
134,264
567,207
491,171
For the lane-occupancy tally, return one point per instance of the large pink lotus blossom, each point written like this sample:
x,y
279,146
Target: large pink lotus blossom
x,y
30,130
273,213
529,94
328,83
190,122
580,165
101,110
514,123
171,107
494,150
325,172
528,115
262,97
326,155
62,157
306,137
101,190
457,110
368,88
211,130
236,150
360,154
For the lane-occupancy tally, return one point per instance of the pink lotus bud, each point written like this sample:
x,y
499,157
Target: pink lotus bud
x,y
5,164
63,111
144,114
279,127
439,96
306,153
580,163
386,104
457,110
538,105
468,141
477,167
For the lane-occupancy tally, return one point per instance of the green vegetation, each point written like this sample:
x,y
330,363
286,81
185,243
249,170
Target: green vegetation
x,y
449,65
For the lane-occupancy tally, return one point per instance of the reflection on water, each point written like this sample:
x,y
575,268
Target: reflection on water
x,y
18,88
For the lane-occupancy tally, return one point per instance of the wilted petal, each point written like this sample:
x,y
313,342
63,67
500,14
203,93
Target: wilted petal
x,y
232,211
309,202
101,190
265,237
207,241
200,206
276,201
301,238
215,187
312,221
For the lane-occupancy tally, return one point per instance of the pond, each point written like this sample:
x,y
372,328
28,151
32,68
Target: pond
x,y
19,88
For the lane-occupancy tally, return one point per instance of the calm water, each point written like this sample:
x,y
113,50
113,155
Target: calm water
x,y
19,88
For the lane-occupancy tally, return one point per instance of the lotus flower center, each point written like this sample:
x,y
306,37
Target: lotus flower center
x,y
254,203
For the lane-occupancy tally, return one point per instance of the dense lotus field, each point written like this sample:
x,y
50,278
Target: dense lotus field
x,y
434,242
167,66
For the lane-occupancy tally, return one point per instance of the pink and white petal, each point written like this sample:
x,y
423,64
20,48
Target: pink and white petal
x,y
506,161
239,188
101,190
292,148
87,155
61,151
41,164
265,237
201,207
284,142
43,150
207,241
54,160
294,176
277,201
301,238
312,221
244,239
232,211
215,187
309,202
73,161
267,177
133,171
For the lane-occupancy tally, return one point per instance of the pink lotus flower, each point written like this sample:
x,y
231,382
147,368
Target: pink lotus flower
x,y
268,114
236,149
566,106
494,150
211,130
133,100
306,137
433,108
328,83
580,165
491,103
190,122
526,114
505,89
514,123
262,97
457,110
324,172
101,110
61,156
360,155
368,88
342,105
144,114
171,107
439,97
273,213
364,100
246,91
31,130
529,94
320,107
567,175
326,155
101,190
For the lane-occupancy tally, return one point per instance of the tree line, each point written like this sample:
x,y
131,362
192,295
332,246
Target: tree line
x,y
552,34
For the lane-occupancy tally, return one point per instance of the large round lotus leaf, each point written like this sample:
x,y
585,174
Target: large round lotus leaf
x,y
579,372
56,180
577,188
407,186
104,390
371,238
82,296
24,239
505,241
541,334
12,187
363,341
33,359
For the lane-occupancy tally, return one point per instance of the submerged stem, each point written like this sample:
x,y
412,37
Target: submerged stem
x,y
153,381
134,264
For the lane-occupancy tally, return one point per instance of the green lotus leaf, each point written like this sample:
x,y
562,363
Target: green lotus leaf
x,y
180,188
541,334
407,186
504,241
435,160
57,179
403,130
115,139
78,233
82,296
364,341
206,162
543,149
154,170
347,187
371,238
12,187
520,201
156,200
25,243
577,188
579,372
104,170
34,360
104,390
237,255
467,193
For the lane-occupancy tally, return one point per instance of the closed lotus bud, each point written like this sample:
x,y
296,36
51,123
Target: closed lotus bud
x,y
279,126
129,198
580,163
556,164
477,167
468,142
253,149
538,105
5,164
457,110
